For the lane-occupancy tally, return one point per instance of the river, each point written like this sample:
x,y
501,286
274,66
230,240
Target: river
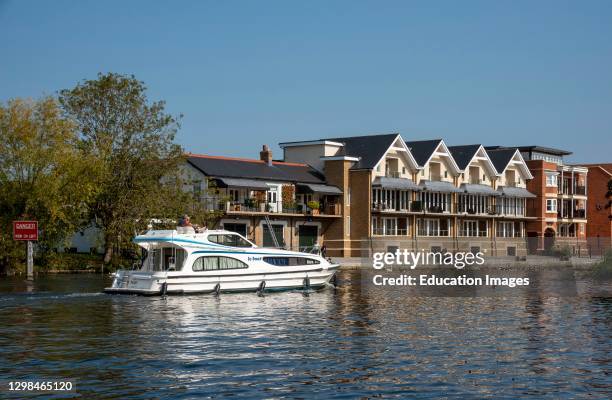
x,y
343,343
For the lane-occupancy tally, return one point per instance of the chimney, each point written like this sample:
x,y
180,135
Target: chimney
x,y
266,154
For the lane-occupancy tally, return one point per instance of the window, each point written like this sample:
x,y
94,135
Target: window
x,y
404,170
238,228
197,188
230,240
551,180
348,226
215,263
234,195
290,261
551,205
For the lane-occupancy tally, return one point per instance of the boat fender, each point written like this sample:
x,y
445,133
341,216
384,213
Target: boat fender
x,y
306,283
262,287
164,288
217,289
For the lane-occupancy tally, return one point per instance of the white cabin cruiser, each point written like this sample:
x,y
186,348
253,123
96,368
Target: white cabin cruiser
x,y
217,261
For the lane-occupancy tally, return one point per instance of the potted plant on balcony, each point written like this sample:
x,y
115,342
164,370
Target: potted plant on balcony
x,y
249,203
314,207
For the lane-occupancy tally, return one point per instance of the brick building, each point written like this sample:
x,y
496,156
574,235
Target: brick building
x,y
560,206
599,217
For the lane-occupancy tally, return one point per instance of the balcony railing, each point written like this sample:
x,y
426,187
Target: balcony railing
x,y
255,206
389,232
433,233
471,210
580,190
393,174
470,233
509,210
509,235
578,213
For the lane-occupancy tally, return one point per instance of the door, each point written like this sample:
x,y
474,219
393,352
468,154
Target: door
x,y
307,236
267,237
274,198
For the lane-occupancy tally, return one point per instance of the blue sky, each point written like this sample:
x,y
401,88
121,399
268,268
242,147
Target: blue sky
x,y
254,72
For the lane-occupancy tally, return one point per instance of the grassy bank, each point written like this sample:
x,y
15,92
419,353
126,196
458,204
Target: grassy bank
x,y
603,269
70,262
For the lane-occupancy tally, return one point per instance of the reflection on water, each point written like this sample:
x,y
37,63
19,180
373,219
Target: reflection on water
x,y
344,343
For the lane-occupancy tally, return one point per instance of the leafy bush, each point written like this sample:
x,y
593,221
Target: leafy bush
x,y
565,252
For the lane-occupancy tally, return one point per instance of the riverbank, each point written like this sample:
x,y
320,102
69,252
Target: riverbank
x,y
70,263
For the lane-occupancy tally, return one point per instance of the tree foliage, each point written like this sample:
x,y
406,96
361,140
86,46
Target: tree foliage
x,y
43,176
132,142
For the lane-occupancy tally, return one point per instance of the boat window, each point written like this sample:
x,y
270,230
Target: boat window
x,y
290,261
215,263
230,240
164,259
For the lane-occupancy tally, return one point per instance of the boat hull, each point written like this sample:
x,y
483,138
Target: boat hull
x,y
152,285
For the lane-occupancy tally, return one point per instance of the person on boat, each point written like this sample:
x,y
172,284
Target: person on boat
x,y
185,225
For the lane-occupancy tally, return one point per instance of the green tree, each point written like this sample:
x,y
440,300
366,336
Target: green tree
x,y
132,142
42,174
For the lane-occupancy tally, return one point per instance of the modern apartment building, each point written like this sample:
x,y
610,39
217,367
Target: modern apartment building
x,y
560,206
417,195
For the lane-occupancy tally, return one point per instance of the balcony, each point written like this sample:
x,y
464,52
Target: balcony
x,y
509,210
393,174
568,214
412,206
472,233
475,210
433,233
580,190
516,234
253,206
389,232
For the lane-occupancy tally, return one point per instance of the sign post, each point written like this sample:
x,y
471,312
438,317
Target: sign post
x,y
28,231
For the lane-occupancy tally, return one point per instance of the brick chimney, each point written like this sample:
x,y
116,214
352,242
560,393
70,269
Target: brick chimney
x,y
266,154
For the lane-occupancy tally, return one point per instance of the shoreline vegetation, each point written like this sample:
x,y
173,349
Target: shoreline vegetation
x,y
65,263
101,155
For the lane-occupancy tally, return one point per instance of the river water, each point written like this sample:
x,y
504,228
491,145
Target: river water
x,y
343,343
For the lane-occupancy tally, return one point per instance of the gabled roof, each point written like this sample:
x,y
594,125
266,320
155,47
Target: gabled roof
x,y
464,154
501,157
423,149
215,166
369,149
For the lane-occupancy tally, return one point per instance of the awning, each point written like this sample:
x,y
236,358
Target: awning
x,y
439,186
243,183
395,183
473,188
510,191
319,188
